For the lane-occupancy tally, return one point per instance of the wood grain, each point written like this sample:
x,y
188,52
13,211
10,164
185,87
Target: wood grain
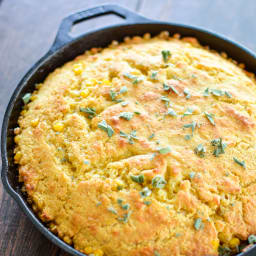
x,y
28,28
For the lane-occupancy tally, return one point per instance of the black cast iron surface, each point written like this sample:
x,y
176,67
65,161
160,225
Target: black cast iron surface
x,y
66,48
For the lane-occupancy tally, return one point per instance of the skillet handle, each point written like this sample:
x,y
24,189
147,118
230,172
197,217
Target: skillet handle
x,y
63,36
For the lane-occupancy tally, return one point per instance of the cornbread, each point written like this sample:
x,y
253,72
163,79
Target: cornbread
x,y
144,148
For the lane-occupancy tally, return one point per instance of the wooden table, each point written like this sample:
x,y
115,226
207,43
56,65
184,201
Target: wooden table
x,y
27,29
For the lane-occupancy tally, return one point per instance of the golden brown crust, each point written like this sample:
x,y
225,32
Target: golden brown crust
x,y
78,176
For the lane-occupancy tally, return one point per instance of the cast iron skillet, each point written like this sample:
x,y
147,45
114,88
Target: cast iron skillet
x,y
66,48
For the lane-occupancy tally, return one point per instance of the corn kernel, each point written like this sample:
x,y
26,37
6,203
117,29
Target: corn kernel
x,y
78,68
16,139
17,157
234,242
84,93
215,244
106,82
34,122
33,97
88,250
98,252
23,112
58,127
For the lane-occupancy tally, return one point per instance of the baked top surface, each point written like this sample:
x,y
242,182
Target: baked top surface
x,y
143,148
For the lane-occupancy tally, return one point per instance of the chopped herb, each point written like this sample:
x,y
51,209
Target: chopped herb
x,y
170,87
119,187
228,94
224,251
216,92
151,136
135,79
173,89
158,182
111,209
90,111
112,95
123,89
26,98
126,206
166,87
165,150
187,93
130,136
153,75
166,100
171,112
138,178
252,239
188,137
145,192
219,147
178,234
192,175
194,76
241,163
105,127
210,117
198,224
137,112
200,150
120,201
192,126
125,217
147,202
123,104
206,92
166,55
126,115
86,162
188,112
156,253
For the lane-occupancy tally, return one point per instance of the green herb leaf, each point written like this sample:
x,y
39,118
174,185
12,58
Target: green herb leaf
x,y
216,92
187,93
130,136
123,89
135,79
219,147
198,223
120,201
145,192
200,150
228,94
188,137
111,209
166,54
206,92
137,112
166,100
192,175
126,115
90,111
138,178
26,98
151,136
188,112
165,150
171,112
147,202
112,95
123,104
105,127
192,126
156,253
210,118
241,163
252,239
158,182
153,75
125,217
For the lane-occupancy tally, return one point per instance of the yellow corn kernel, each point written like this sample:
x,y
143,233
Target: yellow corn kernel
x,y
135,72
84,93
34,122
88,250
16,139
78,68
106,82
23,112
98,252
17,157
58,127
33,97
234,242
215,244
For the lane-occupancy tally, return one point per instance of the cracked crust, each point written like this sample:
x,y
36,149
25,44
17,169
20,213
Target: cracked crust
x,y
74,177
